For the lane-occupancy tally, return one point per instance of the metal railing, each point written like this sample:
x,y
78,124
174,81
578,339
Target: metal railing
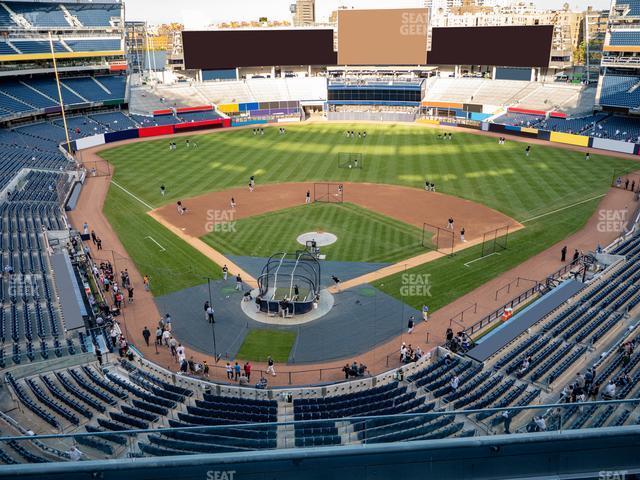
x,y
514,302
558,418
615,60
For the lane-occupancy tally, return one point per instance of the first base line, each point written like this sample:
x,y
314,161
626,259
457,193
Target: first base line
x,y
481,258
154,241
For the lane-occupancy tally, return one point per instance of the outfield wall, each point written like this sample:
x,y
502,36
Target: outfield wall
x,y
606,145
466,121
145,132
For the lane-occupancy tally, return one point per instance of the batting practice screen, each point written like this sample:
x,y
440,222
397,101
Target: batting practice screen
x,y
328,192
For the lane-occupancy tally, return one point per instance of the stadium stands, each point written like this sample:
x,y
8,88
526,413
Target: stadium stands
x,y
528,95
40,15
36,46
54,15
185,415
145,100
30,95
93,45
625,37
620,91
95,15
582,126
519,119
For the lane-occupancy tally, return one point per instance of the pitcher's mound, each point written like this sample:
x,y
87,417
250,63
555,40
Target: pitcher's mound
x,y
322,238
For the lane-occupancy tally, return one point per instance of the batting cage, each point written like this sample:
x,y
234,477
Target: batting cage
x,y
289,282
438,239
494,241
328,192
350,160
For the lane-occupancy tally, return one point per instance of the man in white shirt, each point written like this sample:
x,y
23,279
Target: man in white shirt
x,y
610,390
74,454
540,423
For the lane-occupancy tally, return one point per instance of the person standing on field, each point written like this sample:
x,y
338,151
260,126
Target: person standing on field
x,y
270,366
146,334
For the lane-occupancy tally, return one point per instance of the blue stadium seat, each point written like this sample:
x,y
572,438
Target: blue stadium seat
x,y
40,14
97,45
95,15
625,37
620,91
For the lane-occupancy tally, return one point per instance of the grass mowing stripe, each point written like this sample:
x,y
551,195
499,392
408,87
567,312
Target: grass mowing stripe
x,y
362,235
470,166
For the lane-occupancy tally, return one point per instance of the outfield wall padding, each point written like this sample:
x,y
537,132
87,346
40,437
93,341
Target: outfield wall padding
x,y
526,111
201,108
241,123
496,127
122,135
569,139
245,107
229,107
166,111
429,121
88,142
544,135
613,145
511,130
155,131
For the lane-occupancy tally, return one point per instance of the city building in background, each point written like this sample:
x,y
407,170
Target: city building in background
x,y
618,85
569,26
304,12
135,41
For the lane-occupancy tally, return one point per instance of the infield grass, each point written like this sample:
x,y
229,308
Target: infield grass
x,y
448,277
470,166
363,235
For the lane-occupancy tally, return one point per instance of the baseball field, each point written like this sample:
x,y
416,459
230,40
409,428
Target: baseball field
x,y
551,193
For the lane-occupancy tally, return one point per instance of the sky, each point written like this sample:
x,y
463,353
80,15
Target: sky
x,y
199,13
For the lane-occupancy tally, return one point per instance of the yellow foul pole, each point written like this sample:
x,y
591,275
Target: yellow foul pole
x,y
55,70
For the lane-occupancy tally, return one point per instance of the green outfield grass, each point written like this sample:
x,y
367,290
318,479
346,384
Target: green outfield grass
x,y
471,166
448,278
259,344
178,266
363,235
